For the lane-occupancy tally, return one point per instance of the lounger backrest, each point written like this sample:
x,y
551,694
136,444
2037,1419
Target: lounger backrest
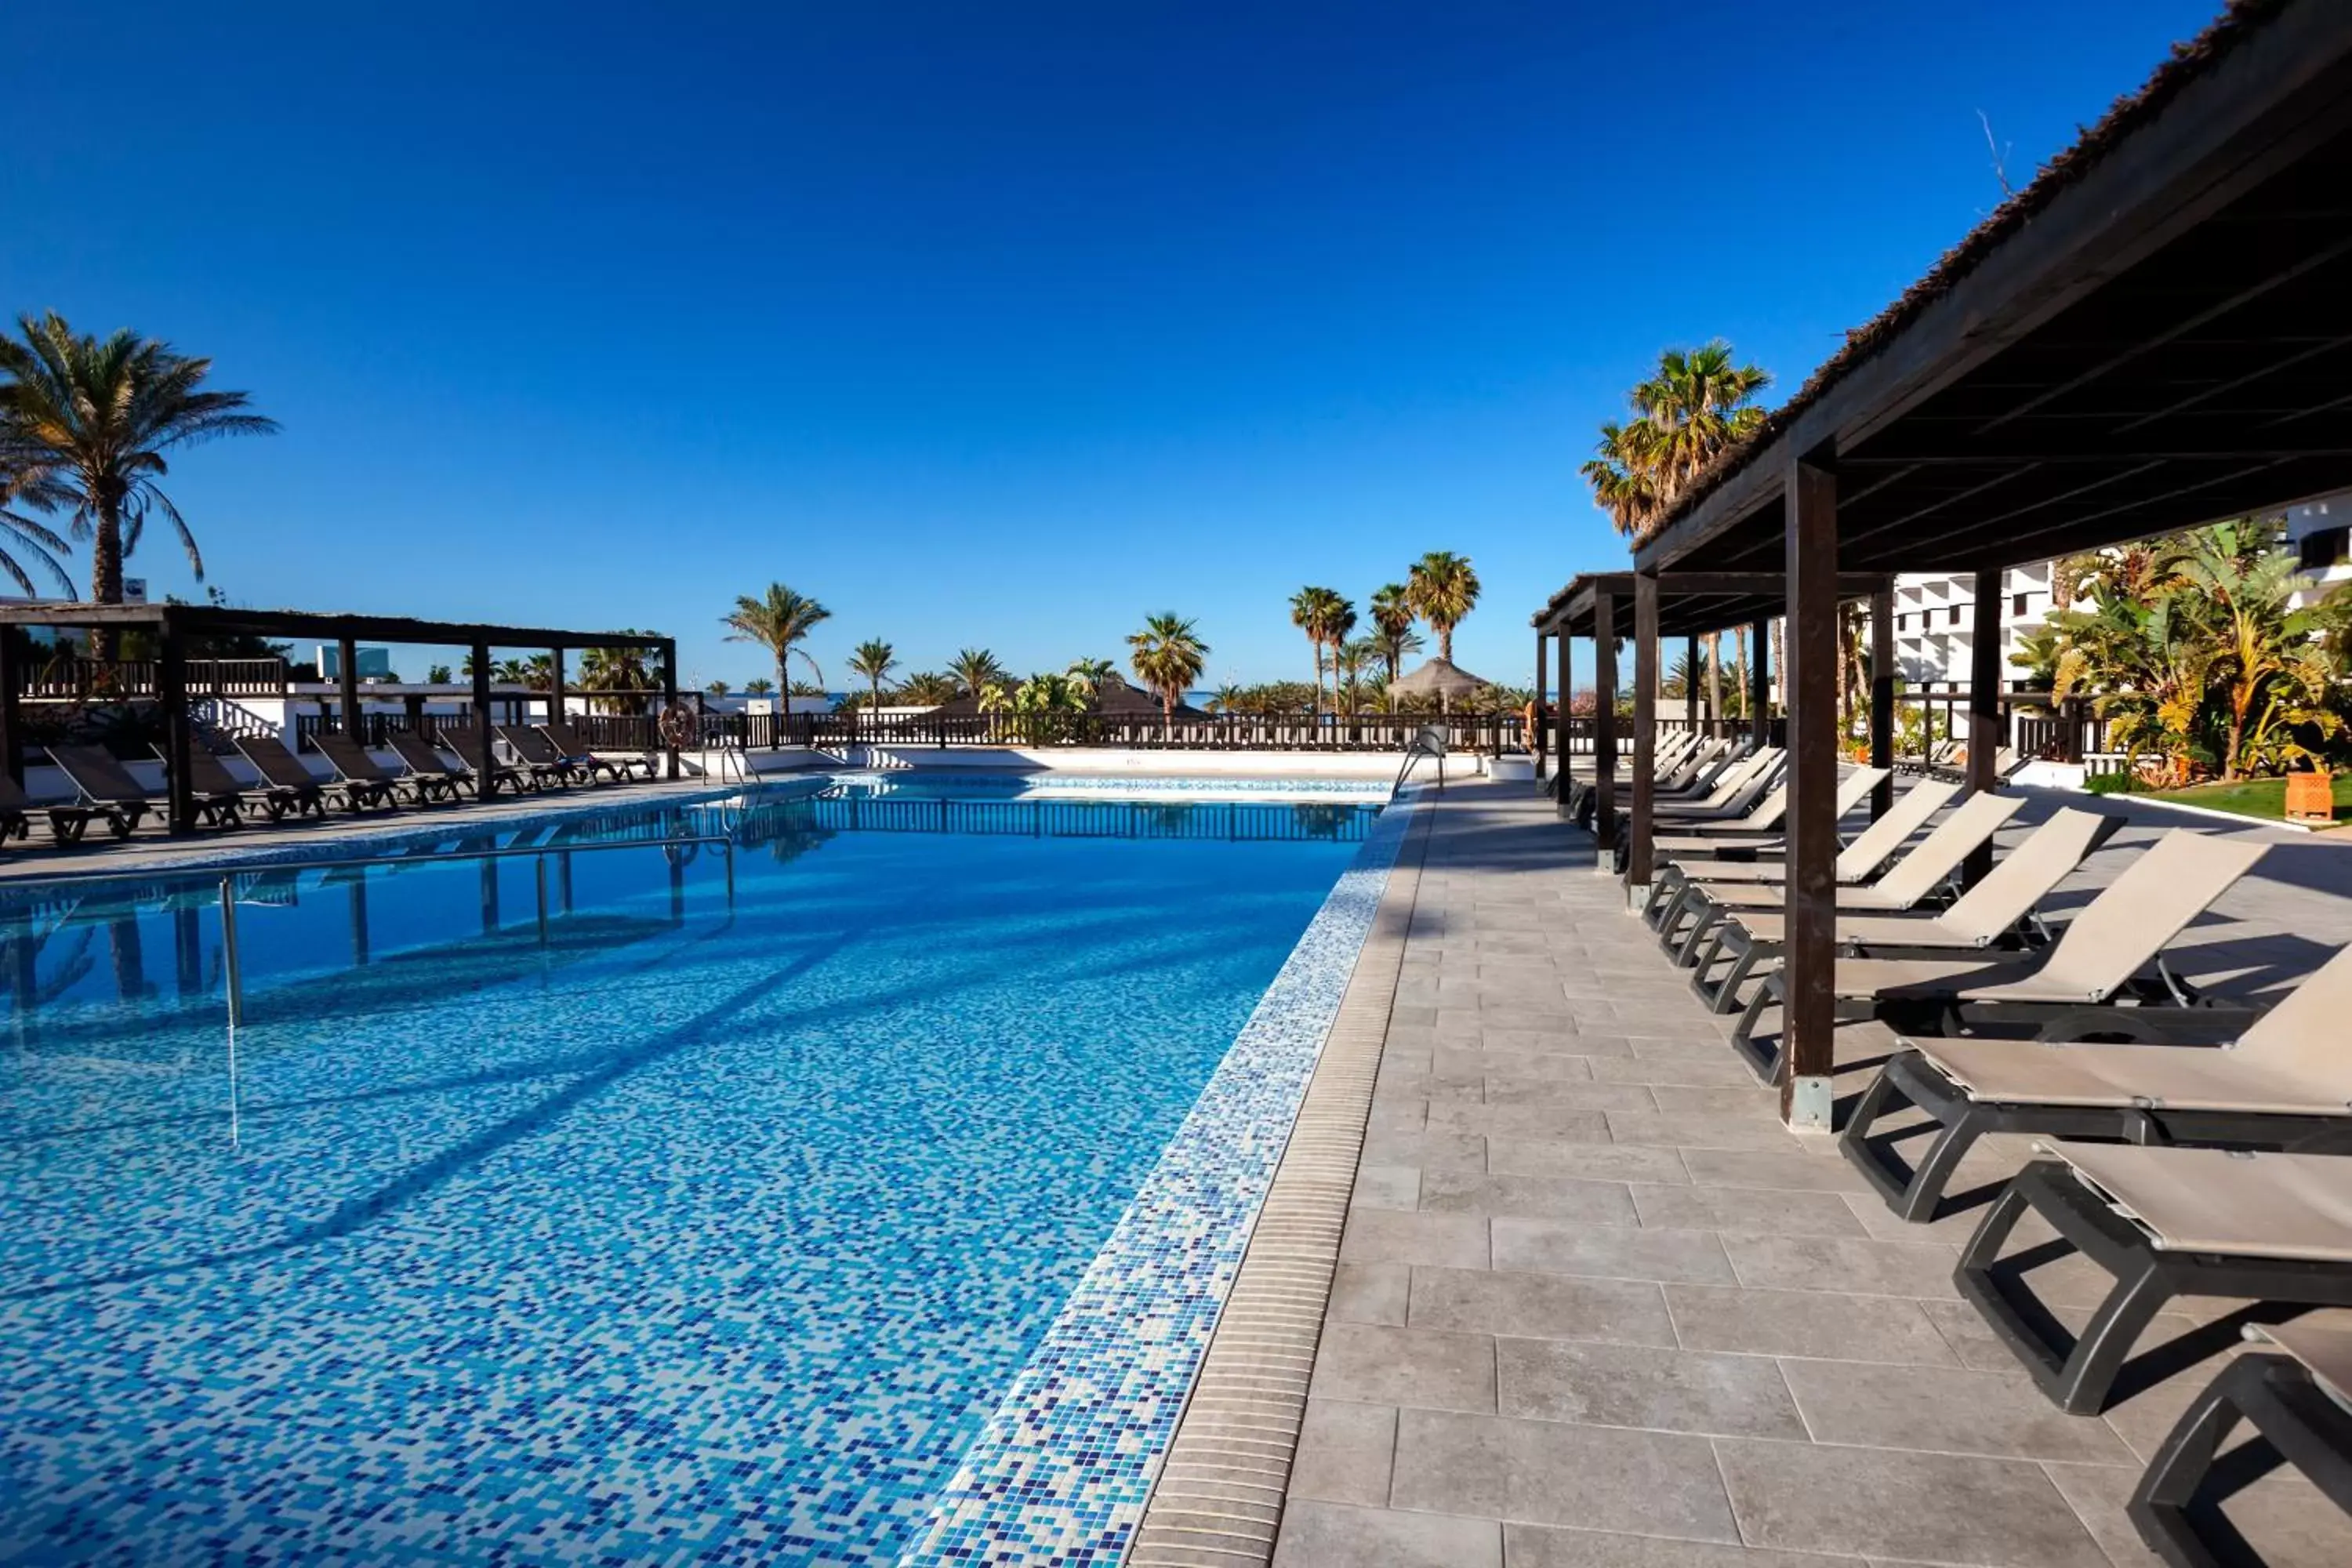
x,y
273,762
529,744
1924,868
567,739
466,739
12,794
207,777
2025,875
349,758
2166,886
1696,764
420,755
97,775
1855,786
2304,1034
1741,774
1910,812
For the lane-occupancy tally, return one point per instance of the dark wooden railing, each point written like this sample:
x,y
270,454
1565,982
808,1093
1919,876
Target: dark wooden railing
x,y
1218,732
1237,821
75,679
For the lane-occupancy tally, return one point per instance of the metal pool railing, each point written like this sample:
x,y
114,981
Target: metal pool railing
x,y
1343,821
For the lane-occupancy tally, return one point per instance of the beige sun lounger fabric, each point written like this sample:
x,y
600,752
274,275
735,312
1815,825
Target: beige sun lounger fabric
x,y
1767,816
1911,879
2129,922
2327,1353
2290,1061
2224,1201
1870,849
1986,912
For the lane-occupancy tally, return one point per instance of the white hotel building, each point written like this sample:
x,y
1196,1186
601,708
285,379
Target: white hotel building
x,y
1935,621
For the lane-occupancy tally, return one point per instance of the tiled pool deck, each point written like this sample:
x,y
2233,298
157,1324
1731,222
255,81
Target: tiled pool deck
x,y
1596,1307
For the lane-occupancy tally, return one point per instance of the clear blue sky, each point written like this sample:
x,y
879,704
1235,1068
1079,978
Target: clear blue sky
x,y
993,324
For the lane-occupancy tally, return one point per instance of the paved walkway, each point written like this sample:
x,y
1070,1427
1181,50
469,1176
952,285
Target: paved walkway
x,y
1595,1306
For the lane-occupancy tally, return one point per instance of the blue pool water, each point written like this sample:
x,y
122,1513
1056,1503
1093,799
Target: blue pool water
x,y
676,1233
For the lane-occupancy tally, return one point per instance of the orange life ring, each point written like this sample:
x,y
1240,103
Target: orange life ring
x,y
677,727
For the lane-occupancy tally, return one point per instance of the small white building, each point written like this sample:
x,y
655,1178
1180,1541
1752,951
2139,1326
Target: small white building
x,y
1935,621
2320,534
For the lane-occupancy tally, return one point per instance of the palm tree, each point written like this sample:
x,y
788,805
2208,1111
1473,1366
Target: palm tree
x,y
760,687
1393,618
84,426
928,688
717,688
975,667
22,487
1315,611
1349,662
1227,700
874,659
1168,655
1694,405
1444,590
776,623
1091,673
616,669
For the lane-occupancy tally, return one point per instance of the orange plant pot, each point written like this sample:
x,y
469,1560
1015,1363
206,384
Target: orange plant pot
x,y
2310,797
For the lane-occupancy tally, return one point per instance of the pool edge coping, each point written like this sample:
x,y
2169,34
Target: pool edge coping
x,y
1254,1378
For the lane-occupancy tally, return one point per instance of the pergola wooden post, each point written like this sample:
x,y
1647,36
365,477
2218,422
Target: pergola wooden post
x,y
347,674
12,731
1645,735
1690,681
669,701
1604,728
1536,740
555,684
1759,678
172,697
485,764
1809,1013
1560,641
1882,697
1984,711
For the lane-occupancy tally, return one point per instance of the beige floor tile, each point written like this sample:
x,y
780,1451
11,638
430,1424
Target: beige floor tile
x,y
1344,1452
1757,1212
1929,1508
1368,1363
1544,1472
1645,1386
1922,1268
1553,1306
1549,1247
1533,1197
1790,1169
1332,1535
1806,1323
1369,1292
1945,1410
1538,1546
1602,1162
1697,1131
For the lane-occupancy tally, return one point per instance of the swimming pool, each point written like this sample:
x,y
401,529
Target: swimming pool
x,y
672,1229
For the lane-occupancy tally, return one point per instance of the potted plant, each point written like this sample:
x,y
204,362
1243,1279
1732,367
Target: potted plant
x,y
2311,795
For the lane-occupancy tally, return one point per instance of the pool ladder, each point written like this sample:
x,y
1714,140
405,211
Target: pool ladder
x,y
1429,741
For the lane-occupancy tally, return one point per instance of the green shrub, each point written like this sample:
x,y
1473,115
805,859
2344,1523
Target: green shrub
x,y
2112,784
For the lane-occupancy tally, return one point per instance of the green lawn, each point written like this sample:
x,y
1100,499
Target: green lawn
x,y
2257,797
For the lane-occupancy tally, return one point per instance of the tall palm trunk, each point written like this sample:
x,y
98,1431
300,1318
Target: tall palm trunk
x,y
1715,678
1780,658
106,572
1740,669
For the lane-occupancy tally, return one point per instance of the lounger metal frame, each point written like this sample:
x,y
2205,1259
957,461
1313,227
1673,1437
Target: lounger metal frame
x,y
2279,1398
2077,1371
1910,1081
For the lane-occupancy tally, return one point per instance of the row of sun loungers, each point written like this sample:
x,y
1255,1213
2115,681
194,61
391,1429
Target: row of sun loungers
x,y
549,756
2180,1169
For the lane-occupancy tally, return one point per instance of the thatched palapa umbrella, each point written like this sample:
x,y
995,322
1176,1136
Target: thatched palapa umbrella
x,y
1441,678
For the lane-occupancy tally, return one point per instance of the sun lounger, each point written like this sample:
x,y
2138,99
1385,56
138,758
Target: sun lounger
x,y
616,766
1758,835
2263,1227
2296,1394
1919,873
2286,1079
364,783
66,822
1740,803
466,739
1858,862
285,776
220,796
103,789
2106,963
538,754
431,773
2002,907
1702,891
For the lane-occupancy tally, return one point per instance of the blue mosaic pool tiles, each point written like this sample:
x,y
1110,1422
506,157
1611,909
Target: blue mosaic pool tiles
x,y
1060,1473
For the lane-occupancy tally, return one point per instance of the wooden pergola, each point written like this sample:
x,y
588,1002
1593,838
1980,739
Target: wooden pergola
x,y
174,625
2149,337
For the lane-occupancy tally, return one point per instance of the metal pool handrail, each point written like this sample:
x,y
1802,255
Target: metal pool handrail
x,y
538,853
1428,742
